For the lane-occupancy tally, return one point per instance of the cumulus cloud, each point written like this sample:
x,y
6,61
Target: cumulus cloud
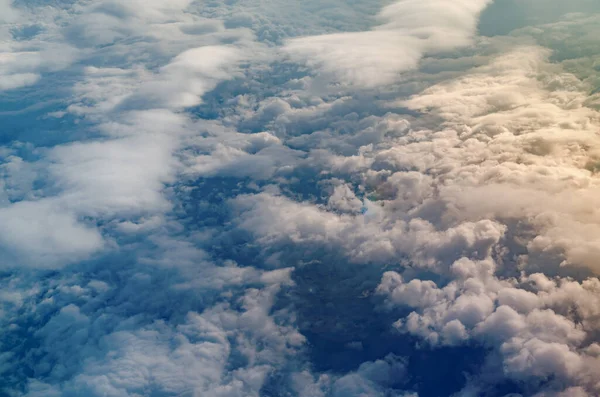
x,y
101,188
528,141
535,341
190,358
507,138
184,212
375,378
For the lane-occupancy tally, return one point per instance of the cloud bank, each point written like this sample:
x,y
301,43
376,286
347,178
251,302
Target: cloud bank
x,y
207,199
408,30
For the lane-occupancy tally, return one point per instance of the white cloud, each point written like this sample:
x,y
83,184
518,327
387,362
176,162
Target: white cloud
x,y
44,234
249,254
9,13
372,378
23,60
190,358
123,173
535,148
408,31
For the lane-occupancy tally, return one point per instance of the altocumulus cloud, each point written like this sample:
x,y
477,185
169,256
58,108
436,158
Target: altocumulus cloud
x,y
383,198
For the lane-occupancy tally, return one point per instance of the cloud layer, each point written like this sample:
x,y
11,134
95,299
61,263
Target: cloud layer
x,y
207,199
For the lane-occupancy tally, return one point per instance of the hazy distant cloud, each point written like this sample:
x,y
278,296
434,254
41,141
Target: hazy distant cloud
x,y
9,13
509,154
24,58
408,31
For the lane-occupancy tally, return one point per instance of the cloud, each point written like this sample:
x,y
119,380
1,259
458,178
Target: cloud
x,y
185,212
408,31
9,13
375,378
159,358
536,339
121,172
528,137
24,58
43,234
490,152
509,145
101,190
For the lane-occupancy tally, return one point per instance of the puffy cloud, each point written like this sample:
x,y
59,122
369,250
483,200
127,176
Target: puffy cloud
x,y
159,358
44,234
497,120
124,173
370,237
192,215
373,378
29,50
536,341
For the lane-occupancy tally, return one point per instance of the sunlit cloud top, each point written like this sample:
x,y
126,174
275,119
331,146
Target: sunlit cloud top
x,y
309,199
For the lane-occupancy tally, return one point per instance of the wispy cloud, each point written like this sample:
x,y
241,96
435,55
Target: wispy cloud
x,y
408,31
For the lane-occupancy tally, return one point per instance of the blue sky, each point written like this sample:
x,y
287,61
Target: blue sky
x,y
310,199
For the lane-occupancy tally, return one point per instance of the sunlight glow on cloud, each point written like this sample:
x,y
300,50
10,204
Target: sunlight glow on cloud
x,y
348,199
